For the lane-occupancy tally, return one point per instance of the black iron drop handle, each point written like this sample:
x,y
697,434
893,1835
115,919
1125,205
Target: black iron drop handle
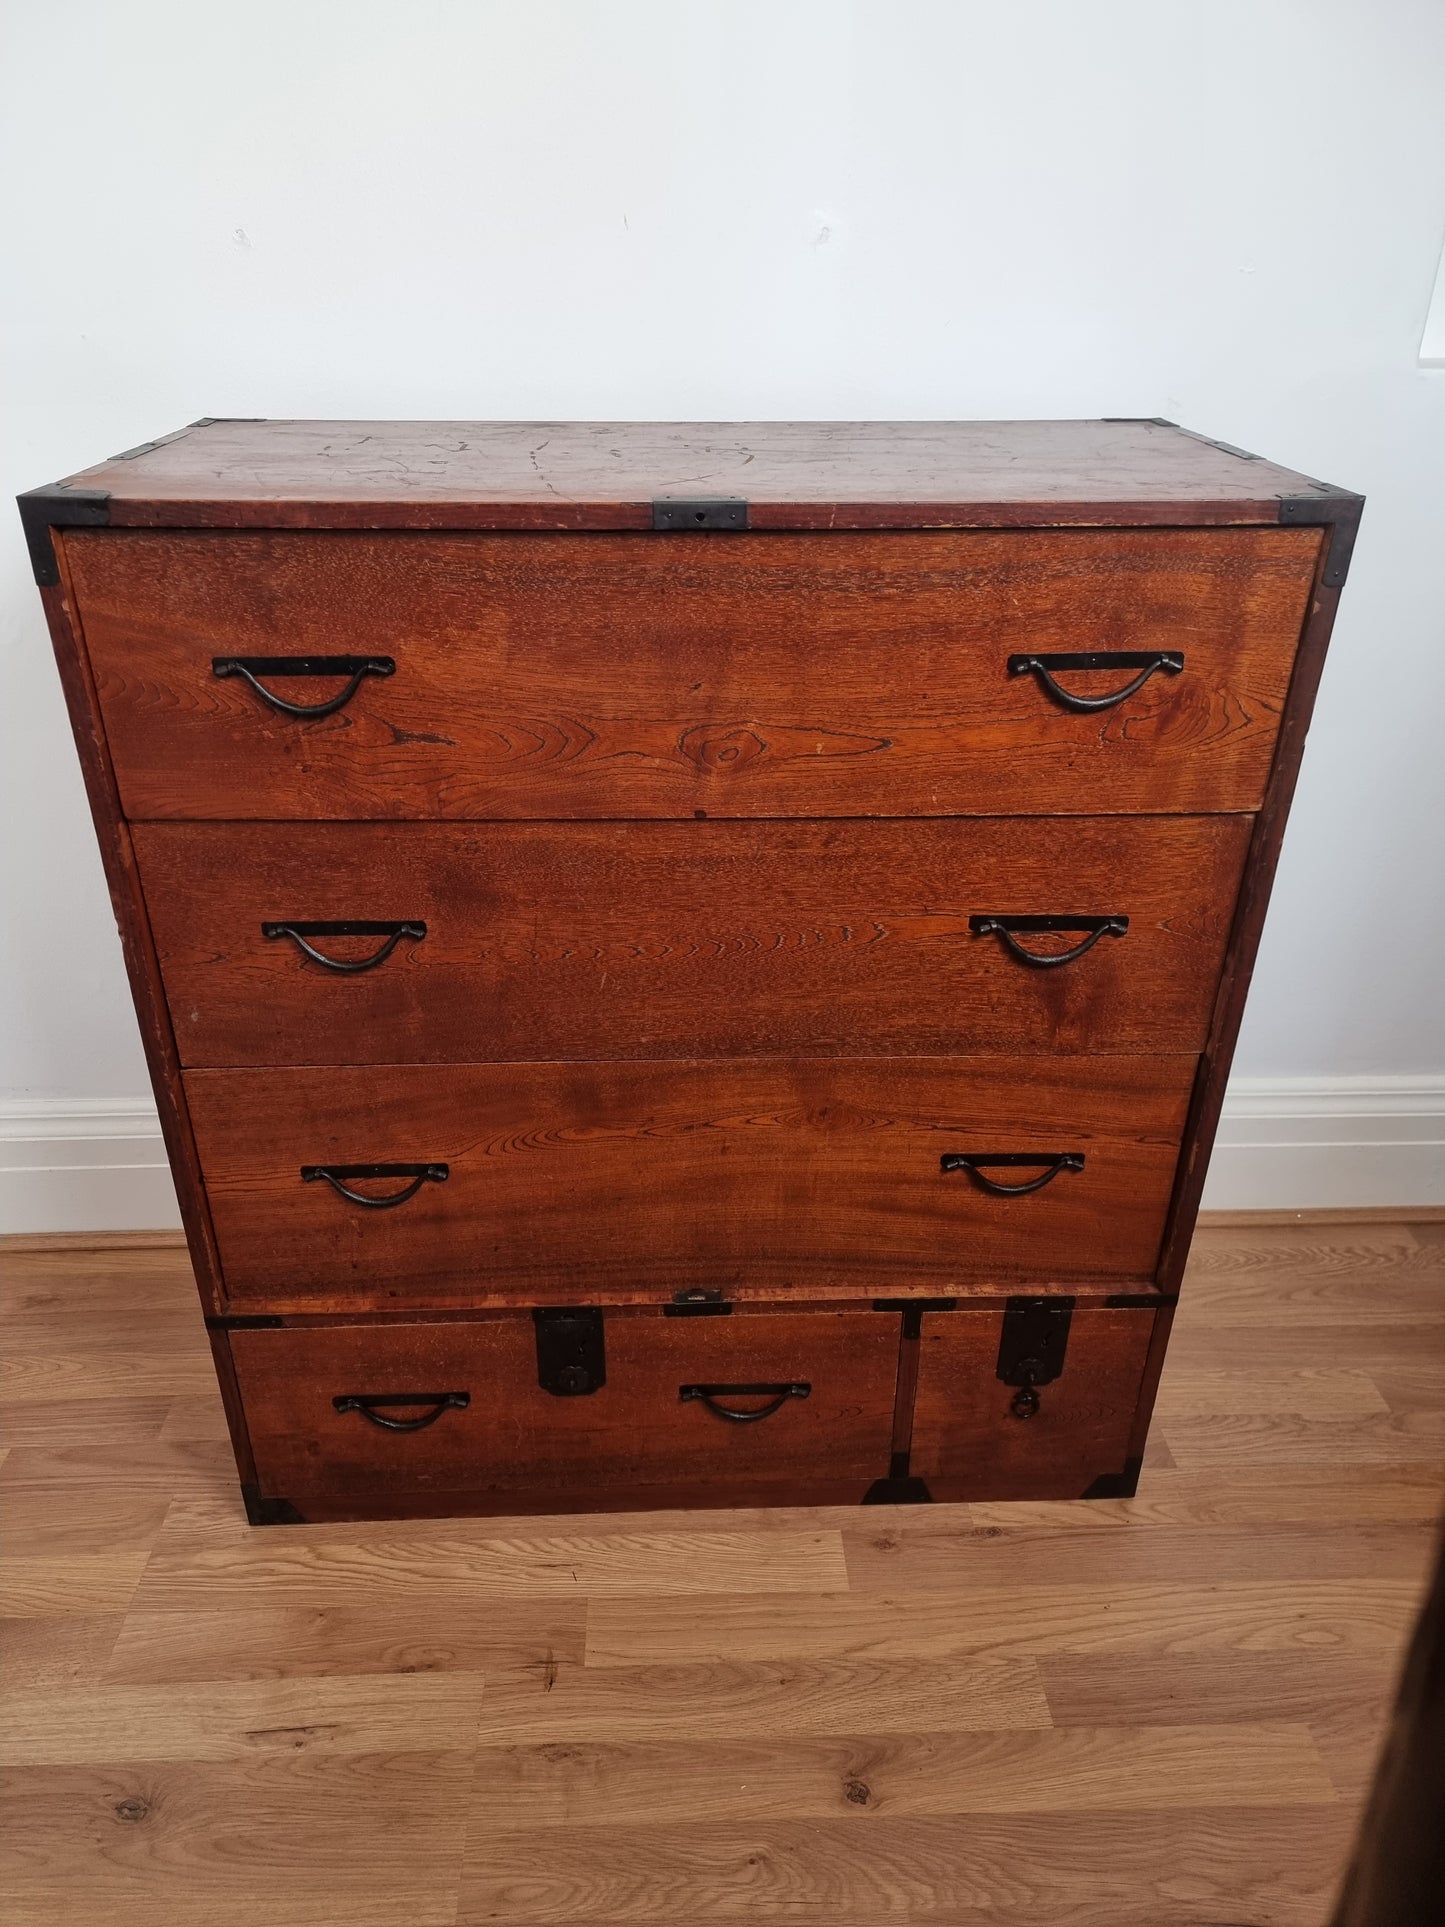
x,y
299,932
439,1402
1004,927
777,1395
1146,661
971,1160
333,1174
252,668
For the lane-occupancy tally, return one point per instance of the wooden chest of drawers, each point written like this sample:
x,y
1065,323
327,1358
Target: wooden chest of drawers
x,y
688,965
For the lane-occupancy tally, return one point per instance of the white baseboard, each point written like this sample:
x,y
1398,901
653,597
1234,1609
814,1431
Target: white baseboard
x,y
1317,1143
1285,1144
77,1165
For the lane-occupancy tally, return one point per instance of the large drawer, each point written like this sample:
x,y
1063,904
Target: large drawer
x,y
978,1436
565,1181
651,940
632,675
461,1408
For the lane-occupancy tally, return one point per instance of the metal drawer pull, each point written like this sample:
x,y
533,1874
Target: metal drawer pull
x,y
1004,927
1146,661
970,1161
254,667
438,1401
708,1395
299,932
419,1174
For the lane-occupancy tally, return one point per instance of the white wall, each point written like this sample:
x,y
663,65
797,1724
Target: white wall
x,y
1230,215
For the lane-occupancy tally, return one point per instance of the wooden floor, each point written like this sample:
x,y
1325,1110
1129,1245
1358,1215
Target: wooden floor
x,y
1152,1713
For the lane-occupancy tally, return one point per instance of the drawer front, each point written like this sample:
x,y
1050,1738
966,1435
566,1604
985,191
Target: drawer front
x,y
653,940
666,676
567,1180
969,1441
824,1413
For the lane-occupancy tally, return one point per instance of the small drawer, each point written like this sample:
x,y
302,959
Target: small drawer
x,y
795,1407
344,943
374,675
1059,1432
458,1185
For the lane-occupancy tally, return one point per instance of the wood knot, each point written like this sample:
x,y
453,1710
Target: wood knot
x,y
132,1811
733,749
858,1792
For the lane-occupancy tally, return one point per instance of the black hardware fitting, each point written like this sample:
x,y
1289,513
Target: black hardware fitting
x,y
250,1321
1146,661
899,1488
1116,1485
710,1395
252,668
571,1357
971,1161
1031,1348
333,1174
268,1512
435,1403
57,507
700,512
1004,928
1331,506
704,1302
299,932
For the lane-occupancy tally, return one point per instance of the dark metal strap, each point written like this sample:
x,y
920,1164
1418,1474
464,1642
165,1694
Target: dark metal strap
x,y
971,1160
1004,927
366,1403
419,1174
252,668
708,1395
1146,661
299,932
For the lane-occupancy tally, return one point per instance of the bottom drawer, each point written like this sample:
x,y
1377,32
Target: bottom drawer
x,y
643,1410
981,1435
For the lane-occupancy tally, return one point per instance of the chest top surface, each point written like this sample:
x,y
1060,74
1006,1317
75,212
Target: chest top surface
x,y
803,475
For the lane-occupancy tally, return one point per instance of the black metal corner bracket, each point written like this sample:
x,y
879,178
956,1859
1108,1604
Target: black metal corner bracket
x,y
268,1512
58,507
699,512
1327,506
1116,1485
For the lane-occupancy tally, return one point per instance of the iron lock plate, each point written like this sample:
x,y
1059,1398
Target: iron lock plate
x,y
571,1356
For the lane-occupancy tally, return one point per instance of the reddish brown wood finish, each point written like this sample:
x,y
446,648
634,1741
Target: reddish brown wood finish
x,y
644,1179
568,475
649,940
967,1444
514,1438
688,677
656,676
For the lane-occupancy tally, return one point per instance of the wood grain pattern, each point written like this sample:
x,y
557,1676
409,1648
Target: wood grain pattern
x,y
646,940
559,475
746,675
640,1180
967,1443
1053,1714
514,1436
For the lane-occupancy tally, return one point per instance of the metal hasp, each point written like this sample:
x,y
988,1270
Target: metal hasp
x,y
571,1359
1031,1347
699,512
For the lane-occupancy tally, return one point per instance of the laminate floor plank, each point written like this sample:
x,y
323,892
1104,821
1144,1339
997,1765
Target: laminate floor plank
x,y
1155,1712
737,1702
1219,1867
296,1839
